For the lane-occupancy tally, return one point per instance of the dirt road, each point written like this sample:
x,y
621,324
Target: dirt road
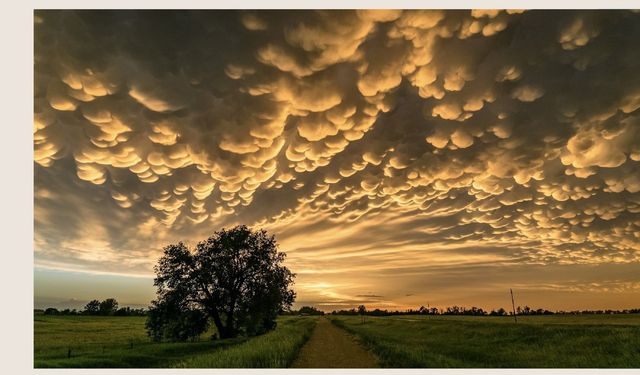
x,y
331,347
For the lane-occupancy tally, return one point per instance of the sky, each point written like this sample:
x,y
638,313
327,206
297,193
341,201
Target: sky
x,y
401,158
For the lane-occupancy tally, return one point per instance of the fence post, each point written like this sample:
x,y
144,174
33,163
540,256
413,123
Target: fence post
x,y
513,305
69,353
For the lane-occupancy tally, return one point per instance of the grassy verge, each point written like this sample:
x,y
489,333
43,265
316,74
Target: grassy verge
x,y
122,342
594,341
277,348
143,356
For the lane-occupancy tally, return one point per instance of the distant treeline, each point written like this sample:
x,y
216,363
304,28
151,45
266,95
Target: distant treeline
x,y
304,310
107,307
477,311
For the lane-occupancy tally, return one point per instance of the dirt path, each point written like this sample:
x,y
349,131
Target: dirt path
x,y
330,346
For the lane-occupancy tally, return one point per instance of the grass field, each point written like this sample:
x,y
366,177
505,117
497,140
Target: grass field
x,y
599,341
122,342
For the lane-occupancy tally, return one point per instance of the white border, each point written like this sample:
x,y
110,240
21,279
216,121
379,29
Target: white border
x,y
16,158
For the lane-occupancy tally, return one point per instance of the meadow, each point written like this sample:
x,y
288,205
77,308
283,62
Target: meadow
x,y
122,342
557,341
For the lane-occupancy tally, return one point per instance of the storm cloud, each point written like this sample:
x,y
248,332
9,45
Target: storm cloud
x,y
391,143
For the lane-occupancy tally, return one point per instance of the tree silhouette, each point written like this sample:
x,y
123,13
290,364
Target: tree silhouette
x,y
108,306
92,308
362,310
309,310
51,311
234,277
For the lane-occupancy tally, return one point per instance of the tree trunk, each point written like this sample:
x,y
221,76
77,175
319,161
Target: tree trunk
x,y
222,330
225,333
230,329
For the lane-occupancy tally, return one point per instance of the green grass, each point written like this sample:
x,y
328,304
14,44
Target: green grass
x,y
277,348
597,341
120,342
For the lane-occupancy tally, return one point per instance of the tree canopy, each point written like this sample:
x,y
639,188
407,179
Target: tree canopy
x,y
235,278
92,308
108,307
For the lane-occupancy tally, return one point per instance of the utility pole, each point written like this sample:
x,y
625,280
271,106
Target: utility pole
x,y
513,305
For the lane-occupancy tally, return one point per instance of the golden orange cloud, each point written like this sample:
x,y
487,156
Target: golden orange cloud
x,y
367,141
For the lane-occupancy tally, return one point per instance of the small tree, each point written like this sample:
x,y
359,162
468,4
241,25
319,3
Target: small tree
x,y
309,310
108,306
92,308
234,277
51,311
362,310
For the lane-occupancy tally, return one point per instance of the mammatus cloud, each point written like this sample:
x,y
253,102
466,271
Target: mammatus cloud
x,y
368,141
